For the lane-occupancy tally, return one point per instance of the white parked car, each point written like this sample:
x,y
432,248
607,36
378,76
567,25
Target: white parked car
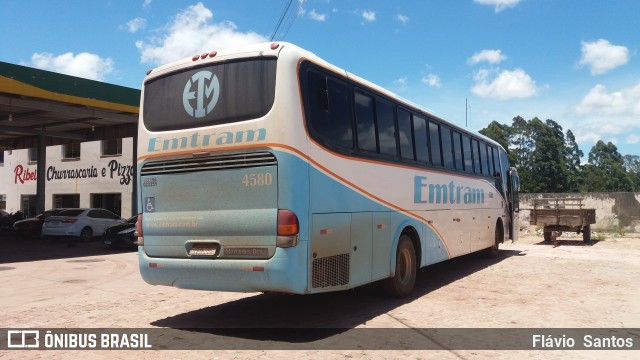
x,y
82,223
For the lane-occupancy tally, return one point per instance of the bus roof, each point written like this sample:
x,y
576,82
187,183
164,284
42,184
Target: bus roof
x,y
277,49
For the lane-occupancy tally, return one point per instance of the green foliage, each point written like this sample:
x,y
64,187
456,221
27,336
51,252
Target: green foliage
x,y
574,158
498,132
606,171
549,161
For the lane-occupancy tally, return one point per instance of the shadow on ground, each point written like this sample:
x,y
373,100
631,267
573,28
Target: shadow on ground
x,y
304,318
562,242
17,249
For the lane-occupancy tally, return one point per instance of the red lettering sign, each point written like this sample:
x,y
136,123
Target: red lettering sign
x,y
22,175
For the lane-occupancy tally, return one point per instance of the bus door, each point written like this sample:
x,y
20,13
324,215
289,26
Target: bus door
x,y
514,202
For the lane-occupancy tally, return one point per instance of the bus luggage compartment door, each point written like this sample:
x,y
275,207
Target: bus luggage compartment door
x,y
223,201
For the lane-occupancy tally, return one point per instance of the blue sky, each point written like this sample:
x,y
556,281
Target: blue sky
x,y
576,62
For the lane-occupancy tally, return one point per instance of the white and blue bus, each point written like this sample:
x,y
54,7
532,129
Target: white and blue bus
x,y
265,168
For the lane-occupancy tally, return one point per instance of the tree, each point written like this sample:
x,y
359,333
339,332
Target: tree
x,y
606,171
548,158
520,138
631,163
537,149
550,161
574,159
498,132
632,166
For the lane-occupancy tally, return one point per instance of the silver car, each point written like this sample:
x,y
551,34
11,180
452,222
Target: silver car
x,y
82,223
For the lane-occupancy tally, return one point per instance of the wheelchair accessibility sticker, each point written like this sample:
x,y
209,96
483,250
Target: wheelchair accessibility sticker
x,y
150,204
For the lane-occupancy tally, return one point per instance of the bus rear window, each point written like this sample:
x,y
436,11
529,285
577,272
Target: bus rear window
x,y
210,95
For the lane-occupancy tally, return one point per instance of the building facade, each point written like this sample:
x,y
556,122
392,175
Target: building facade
x,y
91,174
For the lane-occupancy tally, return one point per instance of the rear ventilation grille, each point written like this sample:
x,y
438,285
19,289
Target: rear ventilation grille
x,y
330,271
207,163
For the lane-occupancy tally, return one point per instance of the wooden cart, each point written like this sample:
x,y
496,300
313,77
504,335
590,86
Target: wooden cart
x,y
562,214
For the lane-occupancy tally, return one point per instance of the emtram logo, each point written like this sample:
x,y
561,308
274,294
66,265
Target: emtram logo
x,y
204,88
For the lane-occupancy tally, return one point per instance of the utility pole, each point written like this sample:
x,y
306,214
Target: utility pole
x,y
466,112
466,108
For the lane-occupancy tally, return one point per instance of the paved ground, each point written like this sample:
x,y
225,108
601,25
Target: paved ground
x,y
530,285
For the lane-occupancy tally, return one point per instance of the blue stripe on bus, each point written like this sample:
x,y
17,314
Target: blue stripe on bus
x,y
332,196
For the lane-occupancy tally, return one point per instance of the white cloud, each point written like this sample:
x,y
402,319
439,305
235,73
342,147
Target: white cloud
x,y
490,56
625,102
401,83
136,24
369,15
506,85
603,114
317,16
601,56
402,18
587,136
499,4
432,80
84,65
632,139
191,32
146,4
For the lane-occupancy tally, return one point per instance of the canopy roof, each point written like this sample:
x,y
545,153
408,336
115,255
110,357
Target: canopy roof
x,y
61,108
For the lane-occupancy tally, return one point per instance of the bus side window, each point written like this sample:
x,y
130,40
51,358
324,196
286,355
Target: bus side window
x,y
468,157
366,130
386,128
447,148
421,142
457,150
490,152
330,109
405,135
476,156
496,162
434,139
484,158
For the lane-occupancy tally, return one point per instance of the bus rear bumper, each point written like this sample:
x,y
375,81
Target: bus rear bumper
x,y
284,272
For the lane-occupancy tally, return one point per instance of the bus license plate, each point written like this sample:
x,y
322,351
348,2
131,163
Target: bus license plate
x,y
204,249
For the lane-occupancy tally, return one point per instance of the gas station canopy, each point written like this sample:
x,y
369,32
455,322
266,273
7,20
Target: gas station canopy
x,y
41,108
60,109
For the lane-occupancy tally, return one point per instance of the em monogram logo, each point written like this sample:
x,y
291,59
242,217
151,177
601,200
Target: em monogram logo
x,y
204,87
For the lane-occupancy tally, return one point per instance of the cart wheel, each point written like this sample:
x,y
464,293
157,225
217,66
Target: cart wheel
x,y
586,233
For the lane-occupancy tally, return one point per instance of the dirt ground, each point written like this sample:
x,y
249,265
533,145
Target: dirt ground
x,y
530,285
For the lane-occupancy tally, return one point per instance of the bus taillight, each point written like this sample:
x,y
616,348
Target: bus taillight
x,y
288,229
139,230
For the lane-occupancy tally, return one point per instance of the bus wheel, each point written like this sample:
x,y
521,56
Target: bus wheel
x,y
492,252
402,282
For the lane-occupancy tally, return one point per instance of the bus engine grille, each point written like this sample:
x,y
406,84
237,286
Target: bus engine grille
x,y
330,271
207,163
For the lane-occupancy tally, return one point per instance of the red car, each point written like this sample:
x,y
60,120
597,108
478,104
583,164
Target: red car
x,y
32,227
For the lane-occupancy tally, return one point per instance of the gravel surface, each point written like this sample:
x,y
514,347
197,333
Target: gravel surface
x,y
530,285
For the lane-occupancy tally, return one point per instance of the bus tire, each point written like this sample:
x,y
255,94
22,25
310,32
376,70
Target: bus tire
x,y
402,282
493,251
